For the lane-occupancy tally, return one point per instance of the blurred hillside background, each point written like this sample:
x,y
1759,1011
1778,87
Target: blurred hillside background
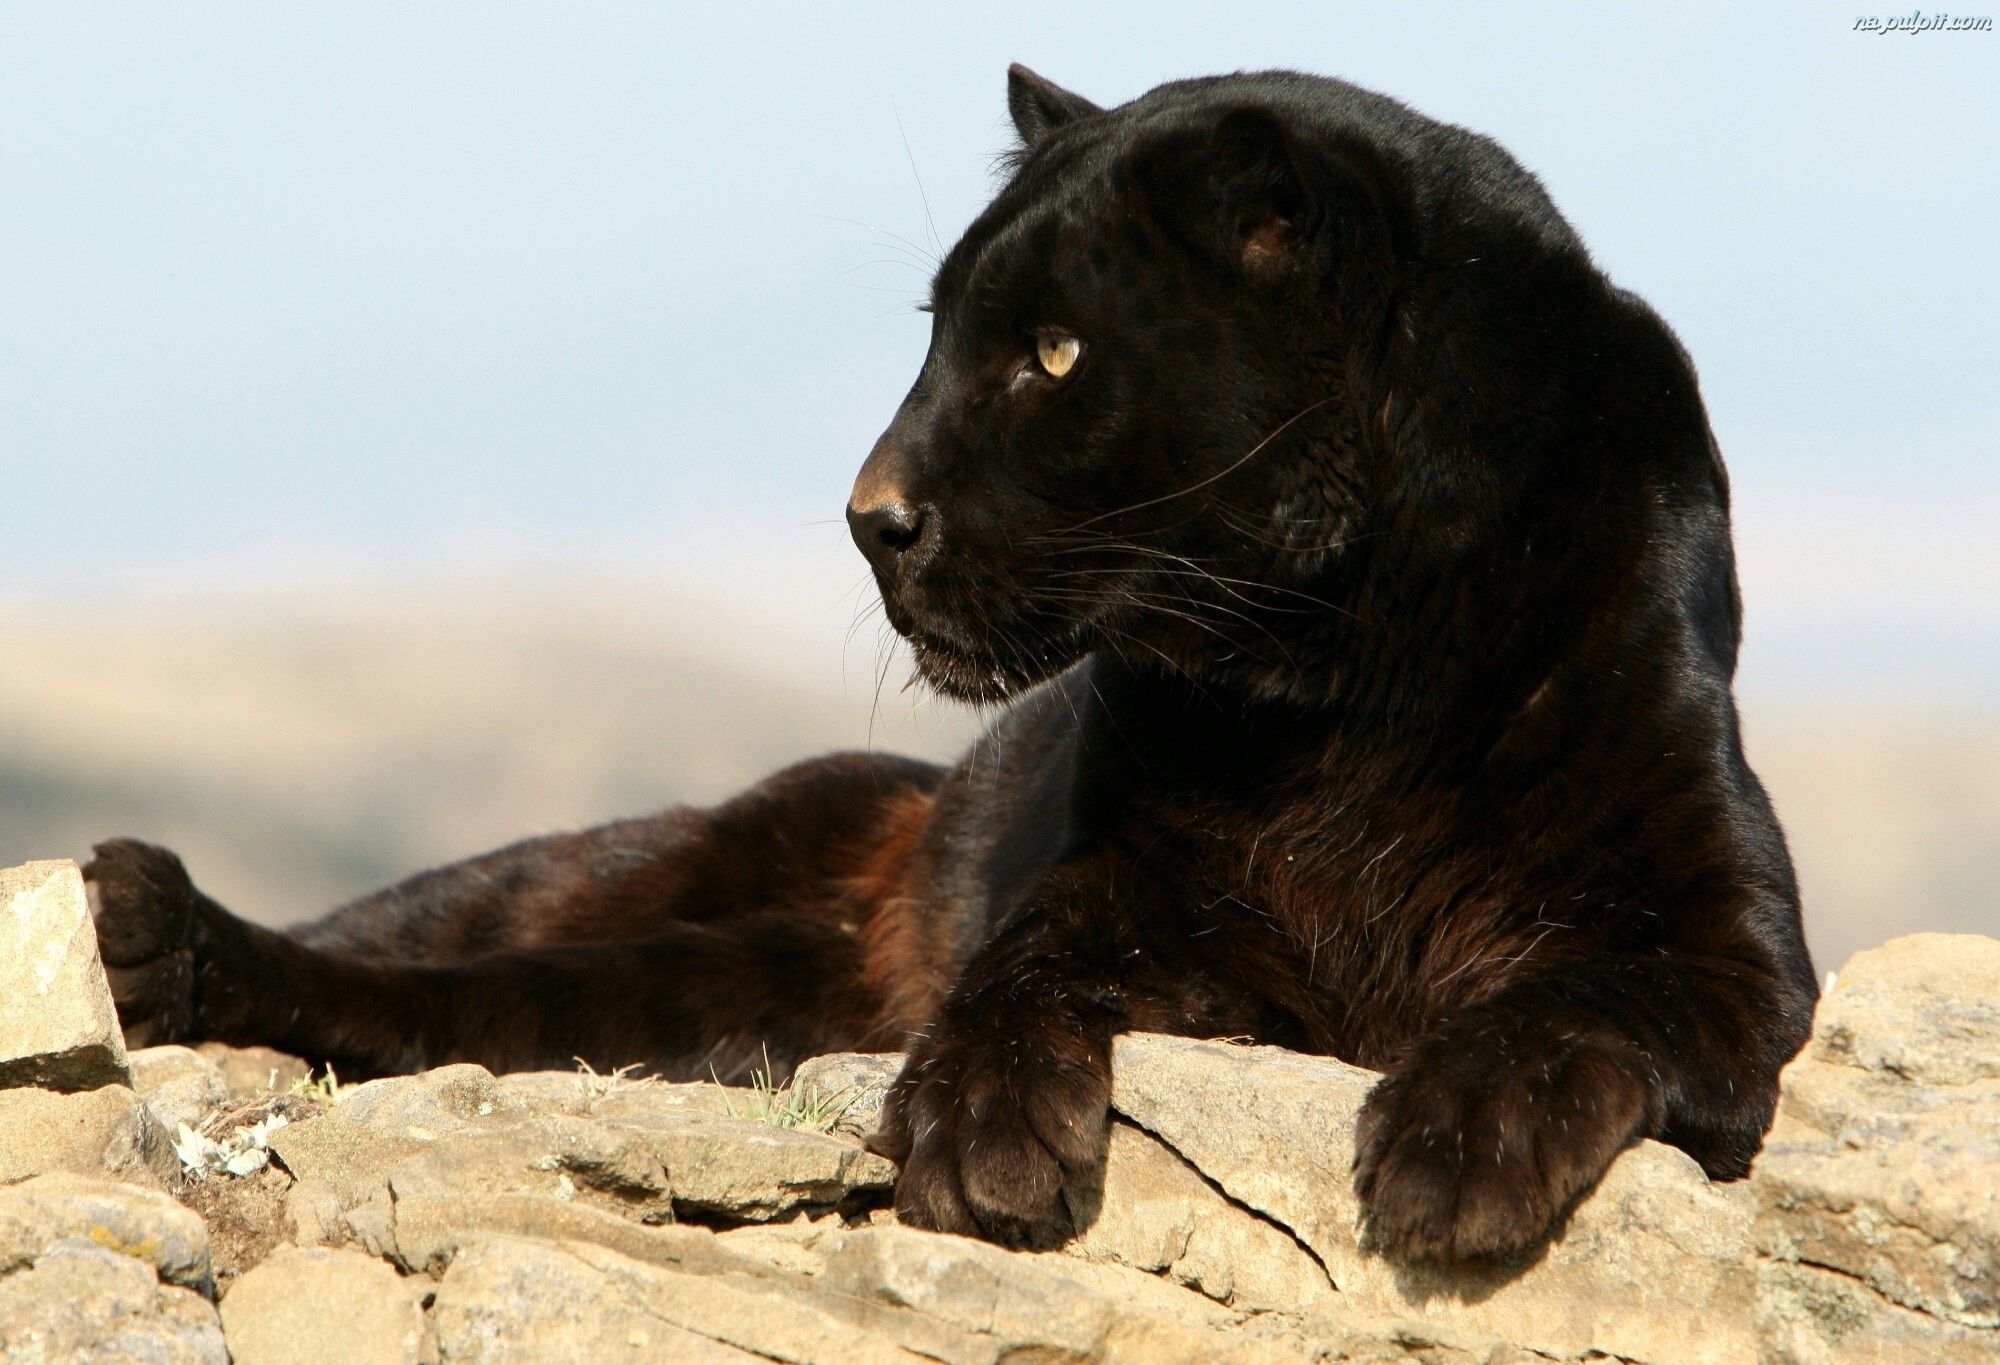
x,y
425,426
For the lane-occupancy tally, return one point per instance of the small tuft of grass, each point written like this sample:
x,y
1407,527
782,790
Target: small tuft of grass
x,y
326,1087
597,1085
809,1109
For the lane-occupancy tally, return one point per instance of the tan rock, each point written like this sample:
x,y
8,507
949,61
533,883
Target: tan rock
x,y
1810,1316
178,1084
303,1307
81,1302
560,1157
1878,1195
860,1079
798,1245
405,1168
249,1072
1272,1129
1016,1306
450,1097
1650,1267
1224,1228
518,1299
427,1105
716,1162
425,1232
146,1225
314,1213
350,1160
1155,1212
153,1067
1925,1007
974,1287
349,1174
888,1294
754,1171
106,1131
609,1096
58,1027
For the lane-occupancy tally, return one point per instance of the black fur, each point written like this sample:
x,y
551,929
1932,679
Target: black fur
x,y
1363,603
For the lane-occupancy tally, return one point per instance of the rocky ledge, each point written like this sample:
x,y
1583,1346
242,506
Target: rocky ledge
x,y
213,1204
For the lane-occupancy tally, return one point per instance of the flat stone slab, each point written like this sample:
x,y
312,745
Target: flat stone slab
x,y
305,1305
649,1152
1650,1266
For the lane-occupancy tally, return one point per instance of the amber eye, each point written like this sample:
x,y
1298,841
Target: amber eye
x,y
1057,352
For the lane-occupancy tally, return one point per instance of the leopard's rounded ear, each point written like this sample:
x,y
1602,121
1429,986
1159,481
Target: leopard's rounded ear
x,y
1277,201
1040,106
1260,188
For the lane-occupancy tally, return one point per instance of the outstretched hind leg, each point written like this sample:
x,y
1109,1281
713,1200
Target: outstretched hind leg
x,y
689,999
684,940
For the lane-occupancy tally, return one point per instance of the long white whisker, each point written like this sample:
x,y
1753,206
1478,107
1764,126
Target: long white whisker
x,y
1277,431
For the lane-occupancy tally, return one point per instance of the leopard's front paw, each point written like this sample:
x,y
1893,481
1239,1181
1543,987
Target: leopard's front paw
x,y
148,917
1460,1154
989,1138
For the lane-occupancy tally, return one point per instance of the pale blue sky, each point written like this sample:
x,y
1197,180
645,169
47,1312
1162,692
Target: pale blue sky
x,y
297,289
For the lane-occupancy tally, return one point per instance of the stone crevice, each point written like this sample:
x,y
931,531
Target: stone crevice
x,y
1248,1211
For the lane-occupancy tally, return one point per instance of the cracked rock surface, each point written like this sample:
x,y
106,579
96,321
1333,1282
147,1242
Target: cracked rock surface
x,y
1878,1192
576,1216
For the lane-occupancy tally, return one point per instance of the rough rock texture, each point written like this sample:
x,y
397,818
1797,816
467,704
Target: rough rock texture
x,y
521,1299
428,1233
80,1302
143,1224
859,1080
303,1306
1878,1194
1047,1306
248,1072
95,1269
1650,1267
178,1084
105,1131
58,1028
875,1294
411,1147
1158,1212
556,1216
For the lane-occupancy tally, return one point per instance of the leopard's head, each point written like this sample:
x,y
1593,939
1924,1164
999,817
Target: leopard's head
x,y
1173,374
1135,427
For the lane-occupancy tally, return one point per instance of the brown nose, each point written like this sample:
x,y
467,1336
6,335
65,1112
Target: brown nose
x,y
884,531
882,516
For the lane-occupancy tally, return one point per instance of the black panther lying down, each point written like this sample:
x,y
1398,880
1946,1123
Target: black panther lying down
x,y
1353,561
